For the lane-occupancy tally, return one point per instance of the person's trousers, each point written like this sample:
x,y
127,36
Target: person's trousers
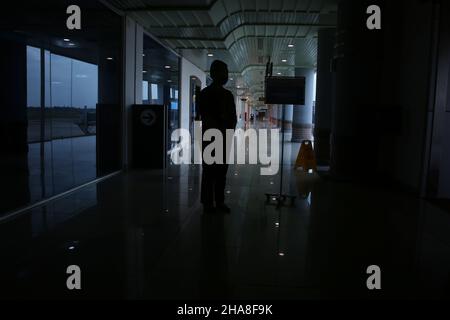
x,y
214,178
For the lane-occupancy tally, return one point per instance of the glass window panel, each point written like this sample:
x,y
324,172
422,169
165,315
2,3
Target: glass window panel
x,y
145,91
50,141
84,106
34,94
155,94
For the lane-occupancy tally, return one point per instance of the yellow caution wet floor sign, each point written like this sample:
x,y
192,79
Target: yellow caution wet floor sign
x,y
306,158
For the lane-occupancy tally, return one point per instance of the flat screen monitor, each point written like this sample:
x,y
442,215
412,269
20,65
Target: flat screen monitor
x,y
285,90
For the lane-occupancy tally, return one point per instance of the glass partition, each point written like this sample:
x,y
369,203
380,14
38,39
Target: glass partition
x,y
60,122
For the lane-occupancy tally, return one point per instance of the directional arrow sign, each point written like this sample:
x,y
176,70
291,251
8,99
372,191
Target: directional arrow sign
x,y
148,117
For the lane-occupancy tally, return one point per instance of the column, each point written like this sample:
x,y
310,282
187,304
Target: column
x,y
359,64
324,95
289,110
133,81
302,114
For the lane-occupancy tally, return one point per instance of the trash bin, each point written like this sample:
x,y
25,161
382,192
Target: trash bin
x,y
149,137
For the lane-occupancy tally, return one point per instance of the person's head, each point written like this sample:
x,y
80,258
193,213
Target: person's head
x,y
219,72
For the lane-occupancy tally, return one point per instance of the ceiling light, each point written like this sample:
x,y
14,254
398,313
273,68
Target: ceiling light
x,y
71,44
231,79
290,45
66,39
210,55
238,87
109,58
279,73
284,60
144,71
143,54
169,81
167,67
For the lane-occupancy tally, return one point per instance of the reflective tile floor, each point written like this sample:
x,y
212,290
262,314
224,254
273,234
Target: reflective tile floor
x,y
142,235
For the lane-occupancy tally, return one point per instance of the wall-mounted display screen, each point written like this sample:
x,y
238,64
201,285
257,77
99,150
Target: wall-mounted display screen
x,y
285,90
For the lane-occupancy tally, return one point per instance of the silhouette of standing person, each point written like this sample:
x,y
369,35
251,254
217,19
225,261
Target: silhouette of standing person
x,y
217,111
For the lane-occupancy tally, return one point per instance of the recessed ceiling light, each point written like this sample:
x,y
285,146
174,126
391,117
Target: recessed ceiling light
x,y
290,45
284,60
167,67
109,58
66,39
279,73
71,44
210,55
144,71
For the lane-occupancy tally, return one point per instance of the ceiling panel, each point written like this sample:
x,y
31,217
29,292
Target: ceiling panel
x,y
243,33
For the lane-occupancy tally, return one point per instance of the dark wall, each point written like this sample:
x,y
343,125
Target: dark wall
x,y
382,85
412,79
437,170
13,125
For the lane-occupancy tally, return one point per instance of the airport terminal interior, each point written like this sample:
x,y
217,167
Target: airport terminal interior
x,y
89,177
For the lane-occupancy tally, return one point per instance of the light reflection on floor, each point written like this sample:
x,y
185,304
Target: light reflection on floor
x,y
143,235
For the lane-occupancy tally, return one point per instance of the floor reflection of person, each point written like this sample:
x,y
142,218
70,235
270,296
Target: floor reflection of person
x,y
214,281
217,111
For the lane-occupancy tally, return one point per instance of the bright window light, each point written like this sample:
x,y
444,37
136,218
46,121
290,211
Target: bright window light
x,y
145,90
154,88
